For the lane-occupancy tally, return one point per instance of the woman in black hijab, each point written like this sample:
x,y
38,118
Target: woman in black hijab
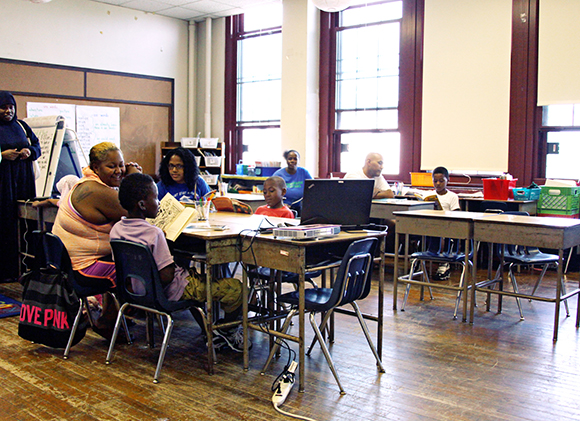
x,y
19,146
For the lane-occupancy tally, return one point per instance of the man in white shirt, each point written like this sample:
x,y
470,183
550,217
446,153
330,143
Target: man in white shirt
x,y
373,169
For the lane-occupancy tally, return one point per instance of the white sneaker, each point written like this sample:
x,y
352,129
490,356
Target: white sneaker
x,y
234,338
443,272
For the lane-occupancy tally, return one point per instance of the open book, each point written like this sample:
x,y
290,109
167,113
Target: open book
x,y
428,196
173,217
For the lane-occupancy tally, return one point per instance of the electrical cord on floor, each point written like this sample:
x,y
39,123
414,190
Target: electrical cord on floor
x,y
25,235
283,383
282,387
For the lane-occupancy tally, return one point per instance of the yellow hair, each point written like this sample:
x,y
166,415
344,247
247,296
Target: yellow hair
x,y
100,151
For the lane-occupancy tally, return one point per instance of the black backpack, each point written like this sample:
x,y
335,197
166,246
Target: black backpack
x,y
49,303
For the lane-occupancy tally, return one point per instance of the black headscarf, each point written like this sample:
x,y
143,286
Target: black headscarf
x,y
7,98
15,134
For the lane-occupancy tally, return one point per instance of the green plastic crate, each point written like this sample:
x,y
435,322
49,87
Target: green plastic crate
x,y
559,213
559,198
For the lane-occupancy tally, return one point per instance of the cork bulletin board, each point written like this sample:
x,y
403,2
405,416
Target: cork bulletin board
x,y
146,103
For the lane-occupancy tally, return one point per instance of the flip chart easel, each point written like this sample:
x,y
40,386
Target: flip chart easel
x,y
50,132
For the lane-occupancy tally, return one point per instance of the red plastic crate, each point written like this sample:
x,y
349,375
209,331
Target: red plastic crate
x,y
498,189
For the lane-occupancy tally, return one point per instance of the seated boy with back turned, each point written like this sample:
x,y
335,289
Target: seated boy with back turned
x,y
274,191
138,195
449,202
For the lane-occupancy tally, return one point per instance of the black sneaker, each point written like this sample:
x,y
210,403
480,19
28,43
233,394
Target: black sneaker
x,y
443,272
219,343
234,338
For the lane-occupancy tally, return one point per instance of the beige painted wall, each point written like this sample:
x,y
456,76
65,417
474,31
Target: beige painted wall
x,y
95,35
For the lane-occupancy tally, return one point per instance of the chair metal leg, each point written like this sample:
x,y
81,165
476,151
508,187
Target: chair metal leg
x,y
563,285
125,326
74,329
537,284
563,288
365,329
408,288
322,328
163,347
541,277
458,299
116,332
492,286
325,352
516,290
274,349
426,275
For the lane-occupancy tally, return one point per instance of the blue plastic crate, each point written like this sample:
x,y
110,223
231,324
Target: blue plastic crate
x,y
524,193
266,171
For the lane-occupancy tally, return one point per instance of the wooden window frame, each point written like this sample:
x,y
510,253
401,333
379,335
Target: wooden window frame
x,y
410,92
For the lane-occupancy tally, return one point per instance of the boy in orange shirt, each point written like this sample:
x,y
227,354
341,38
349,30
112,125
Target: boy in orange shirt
x,y
274,191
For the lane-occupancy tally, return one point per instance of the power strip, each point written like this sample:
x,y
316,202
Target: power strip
x,y
285,385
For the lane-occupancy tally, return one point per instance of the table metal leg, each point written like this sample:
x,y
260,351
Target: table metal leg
x,y
301,330
381,298
209,318
245,291
395,272
558,293
473,282
466,281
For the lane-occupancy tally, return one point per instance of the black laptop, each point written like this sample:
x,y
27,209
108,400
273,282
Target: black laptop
x,y
346,202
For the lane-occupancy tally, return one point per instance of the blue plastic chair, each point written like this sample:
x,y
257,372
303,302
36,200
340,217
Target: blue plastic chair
x,y
438,250
352,283
136,267
52,252
514,255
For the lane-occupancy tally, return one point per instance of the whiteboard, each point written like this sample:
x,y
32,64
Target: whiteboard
x,y
50,132
41,109
96,125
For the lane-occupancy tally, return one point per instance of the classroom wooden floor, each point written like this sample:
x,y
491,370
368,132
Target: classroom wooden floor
x,y
437,368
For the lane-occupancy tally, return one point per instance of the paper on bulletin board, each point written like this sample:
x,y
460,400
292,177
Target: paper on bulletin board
x,y
96,125
41,109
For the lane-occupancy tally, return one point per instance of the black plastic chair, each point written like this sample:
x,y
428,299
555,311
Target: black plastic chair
x,y
352,283
438,250
491,206
52,252
139,286
514,255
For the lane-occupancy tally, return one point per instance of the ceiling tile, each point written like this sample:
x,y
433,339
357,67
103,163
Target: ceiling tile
x,y
146,5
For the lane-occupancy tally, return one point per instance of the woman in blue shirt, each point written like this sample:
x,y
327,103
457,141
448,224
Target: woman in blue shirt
x,y
179,175
294,177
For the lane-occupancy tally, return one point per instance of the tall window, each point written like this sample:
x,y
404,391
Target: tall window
x,y
367,84
560,138
372,99
256,40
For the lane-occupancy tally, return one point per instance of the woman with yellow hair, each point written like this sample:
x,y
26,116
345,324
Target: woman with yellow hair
x,y
87,214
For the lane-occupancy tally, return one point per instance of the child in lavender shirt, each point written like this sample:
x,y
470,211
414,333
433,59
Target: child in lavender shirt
x,y
138,195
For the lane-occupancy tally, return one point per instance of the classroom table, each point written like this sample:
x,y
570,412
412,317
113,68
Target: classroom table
x,y
472,204
221,247
548,232
435,223
43,215
385,208
276,253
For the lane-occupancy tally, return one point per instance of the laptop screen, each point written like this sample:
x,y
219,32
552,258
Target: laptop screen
x,y
337,201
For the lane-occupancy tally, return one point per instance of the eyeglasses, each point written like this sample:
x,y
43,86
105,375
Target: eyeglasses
x,y
175,167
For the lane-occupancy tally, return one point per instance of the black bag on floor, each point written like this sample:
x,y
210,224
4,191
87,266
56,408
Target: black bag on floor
x,y
49,303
